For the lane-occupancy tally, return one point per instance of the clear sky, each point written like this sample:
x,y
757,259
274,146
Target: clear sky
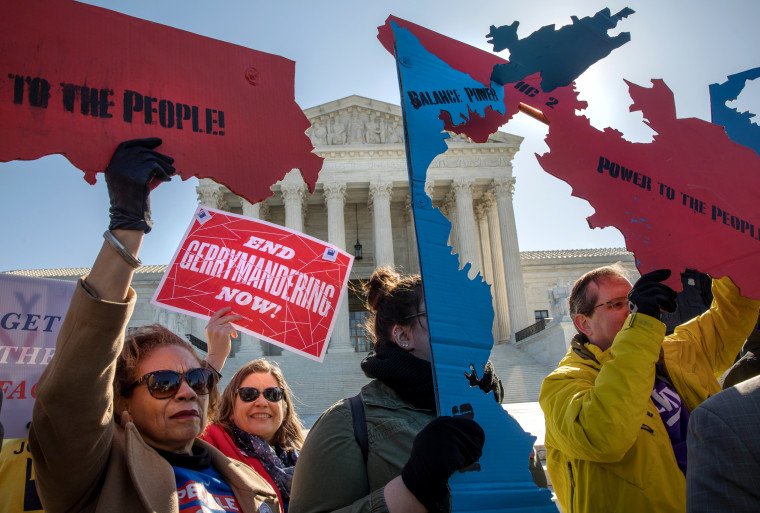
x,y
52,218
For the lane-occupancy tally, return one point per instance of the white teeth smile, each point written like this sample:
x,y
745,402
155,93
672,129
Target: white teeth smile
x,y
261,416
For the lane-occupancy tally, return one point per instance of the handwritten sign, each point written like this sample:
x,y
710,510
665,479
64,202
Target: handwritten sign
x,y
31,313
286,285
81,87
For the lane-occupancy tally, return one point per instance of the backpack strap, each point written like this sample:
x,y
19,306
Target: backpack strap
x,y
360,424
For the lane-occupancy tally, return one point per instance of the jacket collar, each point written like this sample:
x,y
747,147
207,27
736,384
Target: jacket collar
x,y
581,347
378,393
151,474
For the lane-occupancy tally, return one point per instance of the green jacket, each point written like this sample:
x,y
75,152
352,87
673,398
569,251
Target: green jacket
x,y
331,474
606,446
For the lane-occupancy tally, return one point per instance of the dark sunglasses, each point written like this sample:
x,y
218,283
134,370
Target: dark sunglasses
x,y
163,384
250,394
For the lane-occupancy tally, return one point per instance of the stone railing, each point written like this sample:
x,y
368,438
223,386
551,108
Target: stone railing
x,y
531,330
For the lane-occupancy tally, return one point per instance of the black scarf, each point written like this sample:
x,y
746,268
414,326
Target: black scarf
x,y
279,463
199,460
410,377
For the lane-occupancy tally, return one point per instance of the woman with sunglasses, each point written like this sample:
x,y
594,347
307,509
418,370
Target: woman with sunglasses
x,y
411,453
257,424
115,423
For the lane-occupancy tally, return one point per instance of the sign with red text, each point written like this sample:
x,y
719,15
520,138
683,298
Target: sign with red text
x,y
287,285
78,79
31,313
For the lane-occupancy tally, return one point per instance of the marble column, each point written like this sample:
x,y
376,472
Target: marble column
x,y
481,216
503,188
467,231
499,284
293,189
210,194
251,209
172,322
380,198
335,199
450,211
411,238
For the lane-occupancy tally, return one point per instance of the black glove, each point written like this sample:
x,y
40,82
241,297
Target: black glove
x,y
649,296
133,165
445,445
489,382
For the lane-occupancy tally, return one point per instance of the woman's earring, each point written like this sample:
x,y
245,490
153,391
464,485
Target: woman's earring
x,y
396,339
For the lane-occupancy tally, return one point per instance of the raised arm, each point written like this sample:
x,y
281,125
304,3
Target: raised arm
x,y
72,426
219,335
718,334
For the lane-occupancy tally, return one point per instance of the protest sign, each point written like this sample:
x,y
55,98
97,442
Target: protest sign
x,y
31,312
287,285
459,310
662,195
78,79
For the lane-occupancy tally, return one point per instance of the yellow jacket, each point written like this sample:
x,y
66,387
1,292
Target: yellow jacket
x,y
607,448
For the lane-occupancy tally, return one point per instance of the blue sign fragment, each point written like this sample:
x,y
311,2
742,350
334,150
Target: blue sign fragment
x,y
738,125
560,55
459,310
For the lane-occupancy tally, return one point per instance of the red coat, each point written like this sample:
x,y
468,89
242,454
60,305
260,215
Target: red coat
x,y
217,436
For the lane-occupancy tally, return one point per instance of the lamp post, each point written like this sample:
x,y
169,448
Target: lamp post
x,y
357,246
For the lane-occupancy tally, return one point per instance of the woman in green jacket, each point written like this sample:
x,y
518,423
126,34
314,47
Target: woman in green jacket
x,y
411,452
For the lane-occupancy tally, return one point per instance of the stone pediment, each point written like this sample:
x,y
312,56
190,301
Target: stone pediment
x,y
358,120
355,120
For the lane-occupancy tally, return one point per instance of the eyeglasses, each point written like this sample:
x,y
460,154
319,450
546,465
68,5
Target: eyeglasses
x,y
415,315
250,394
613,305
163,384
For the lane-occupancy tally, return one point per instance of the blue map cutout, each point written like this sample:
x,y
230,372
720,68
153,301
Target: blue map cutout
x,y
459,310
738,125
560,55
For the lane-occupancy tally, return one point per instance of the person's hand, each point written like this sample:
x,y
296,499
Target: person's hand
x,y
219,335
445,445
489,382
133,166
650,297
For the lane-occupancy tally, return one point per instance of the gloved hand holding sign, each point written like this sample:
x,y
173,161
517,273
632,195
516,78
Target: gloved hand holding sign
x,y
650,297
445,445
134,170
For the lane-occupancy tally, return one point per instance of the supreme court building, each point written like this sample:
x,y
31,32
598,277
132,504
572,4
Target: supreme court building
x,y
361,204
362,201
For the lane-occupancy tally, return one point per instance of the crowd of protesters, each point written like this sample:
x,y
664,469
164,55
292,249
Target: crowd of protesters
x,y
635,418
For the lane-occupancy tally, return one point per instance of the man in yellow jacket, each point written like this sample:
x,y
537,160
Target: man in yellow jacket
x,y
617,406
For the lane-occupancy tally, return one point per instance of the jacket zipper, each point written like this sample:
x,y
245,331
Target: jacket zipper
x,y
572,487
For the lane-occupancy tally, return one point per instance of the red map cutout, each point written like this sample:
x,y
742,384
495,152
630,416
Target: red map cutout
x,y
686,200
77,79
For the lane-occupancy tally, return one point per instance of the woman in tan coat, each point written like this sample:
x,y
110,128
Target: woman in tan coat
x,y
146,457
